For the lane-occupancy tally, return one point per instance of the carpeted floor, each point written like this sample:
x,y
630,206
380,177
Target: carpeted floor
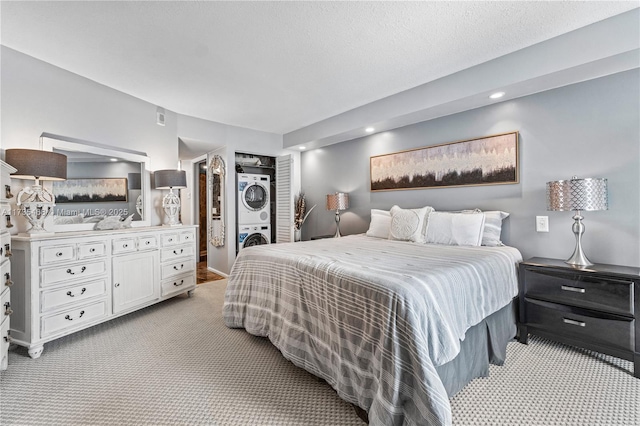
x,y
177,363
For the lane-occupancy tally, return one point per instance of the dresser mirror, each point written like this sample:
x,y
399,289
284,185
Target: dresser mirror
x,y
102,181
217,200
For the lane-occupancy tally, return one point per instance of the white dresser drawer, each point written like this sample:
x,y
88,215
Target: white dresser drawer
x,y
188,236
176,252
177,268
5,276
72,318
170,240
54,299
5,246
148,242
57,254
89,250
71,273
124,245
5,305
4,344
178,284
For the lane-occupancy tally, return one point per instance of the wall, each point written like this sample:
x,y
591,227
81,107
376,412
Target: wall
x,y
38,97
590,129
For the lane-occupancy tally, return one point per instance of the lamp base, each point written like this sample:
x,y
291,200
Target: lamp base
x,y
337,234
578,258
171,206
36,204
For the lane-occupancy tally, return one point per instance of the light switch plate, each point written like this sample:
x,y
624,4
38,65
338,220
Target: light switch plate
x,y
542,223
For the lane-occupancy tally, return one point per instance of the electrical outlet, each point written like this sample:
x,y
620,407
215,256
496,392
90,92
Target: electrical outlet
x,y
542,223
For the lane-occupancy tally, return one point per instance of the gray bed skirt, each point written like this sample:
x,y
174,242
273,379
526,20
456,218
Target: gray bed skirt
x,y
484,343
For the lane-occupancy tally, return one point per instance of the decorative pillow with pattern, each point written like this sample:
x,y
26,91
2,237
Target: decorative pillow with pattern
x,y
492,226
409,224
380,224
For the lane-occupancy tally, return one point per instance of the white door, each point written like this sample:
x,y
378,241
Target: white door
x,y
284,199
135,280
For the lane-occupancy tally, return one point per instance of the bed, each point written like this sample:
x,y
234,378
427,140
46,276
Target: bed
x,y
395,327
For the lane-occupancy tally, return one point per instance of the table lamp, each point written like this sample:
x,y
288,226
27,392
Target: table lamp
x,y
170,179
338,201
35,202
577,195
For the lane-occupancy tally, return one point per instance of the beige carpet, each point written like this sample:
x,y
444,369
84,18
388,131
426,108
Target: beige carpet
x,y
177,363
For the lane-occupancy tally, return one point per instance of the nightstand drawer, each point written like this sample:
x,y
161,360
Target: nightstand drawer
x,y
593,292
578,323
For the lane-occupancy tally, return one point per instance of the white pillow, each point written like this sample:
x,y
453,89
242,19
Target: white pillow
x,y
68,220
409,224
380,224
455,229
493,228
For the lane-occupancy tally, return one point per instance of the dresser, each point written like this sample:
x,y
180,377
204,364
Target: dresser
x,y
6,197
595,307
71,281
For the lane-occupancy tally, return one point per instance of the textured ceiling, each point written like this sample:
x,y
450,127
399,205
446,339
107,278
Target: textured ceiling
x,y
280,66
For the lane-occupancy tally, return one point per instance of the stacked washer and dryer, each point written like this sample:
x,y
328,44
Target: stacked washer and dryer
x,y
254,210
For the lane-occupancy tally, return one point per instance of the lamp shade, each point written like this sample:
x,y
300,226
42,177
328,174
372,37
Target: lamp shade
x,y
338,201
166,179
577,194
133,181
35,164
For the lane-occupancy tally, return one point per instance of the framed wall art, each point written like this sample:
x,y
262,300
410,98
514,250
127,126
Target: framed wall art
x,y
489,160
90,190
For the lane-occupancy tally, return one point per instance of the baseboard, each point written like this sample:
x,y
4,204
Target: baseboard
x,y
215,271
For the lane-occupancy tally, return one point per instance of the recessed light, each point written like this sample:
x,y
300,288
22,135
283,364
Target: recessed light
x,y
114,159
369,129
497,95
302,148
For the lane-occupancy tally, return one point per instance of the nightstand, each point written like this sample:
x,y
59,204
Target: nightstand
x,y
595,307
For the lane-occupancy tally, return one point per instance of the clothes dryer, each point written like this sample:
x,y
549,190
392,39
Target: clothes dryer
x,y
253,235
254,194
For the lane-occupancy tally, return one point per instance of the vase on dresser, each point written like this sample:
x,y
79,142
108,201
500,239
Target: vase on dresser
x,y
297,235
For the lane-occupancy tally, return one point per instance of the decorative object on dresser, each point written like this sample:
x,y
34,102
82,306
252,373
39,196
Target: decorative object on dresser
x,y
5,265
577,195
36,202
170,179
68,282
595,308
338,201
135,184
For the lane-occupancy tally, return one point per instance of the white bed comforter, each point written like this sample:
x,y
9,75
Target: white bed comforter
x,y
372,317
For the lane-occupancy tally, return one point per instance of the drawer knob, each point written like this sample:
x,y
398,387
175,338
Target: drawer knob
x,y
170,239
68,317
7,250
147,242
7,309
179,284
574,322
125,245
58,254
7,191
70,294
574,289
176,253
8,219
176,268
7,279
92,250
8,339
69,271
116,285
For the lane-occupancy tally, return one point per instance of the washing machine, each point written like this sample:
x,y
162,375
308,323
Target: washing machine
x,y
253,235
254,194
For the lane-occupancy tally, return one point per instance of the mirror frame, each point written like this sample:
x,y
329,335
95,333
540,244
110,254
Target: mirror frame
x,y
49,142
216,221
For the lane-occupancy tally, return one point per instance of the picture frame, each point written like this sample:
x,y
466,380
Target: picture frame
x,y
90,190
487,160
